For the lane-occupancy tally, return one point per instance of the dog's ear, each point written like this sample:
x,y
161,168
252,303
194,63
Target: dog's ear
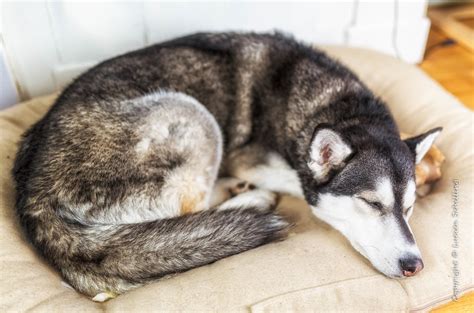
x,y
328,151
420,144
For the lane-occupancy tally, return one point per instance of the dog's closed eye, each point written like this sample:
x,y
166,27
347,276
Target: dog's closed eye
x,y
375,204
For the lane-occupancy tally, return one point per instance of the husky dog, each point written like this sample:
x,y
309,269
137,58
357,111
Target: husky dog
x,y
116,185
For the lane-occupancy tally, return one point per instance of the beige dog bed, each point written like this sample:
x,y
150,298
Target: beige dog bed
x,y
315,269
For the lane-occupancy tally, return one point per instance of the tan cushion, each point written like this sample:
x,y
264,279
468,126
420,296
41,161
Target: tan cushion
x,y
315,268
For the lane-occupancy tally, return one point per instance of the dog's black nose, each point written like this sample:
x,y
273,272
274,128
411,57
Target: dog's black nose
x,y
411,266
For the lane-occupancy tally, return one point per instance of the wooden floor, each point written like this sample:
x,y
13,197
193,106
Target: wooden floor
x,y
464,304
453,67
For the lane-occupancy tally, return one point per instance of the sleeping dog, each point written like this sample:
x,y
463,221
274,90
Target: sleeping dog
x,y
119,183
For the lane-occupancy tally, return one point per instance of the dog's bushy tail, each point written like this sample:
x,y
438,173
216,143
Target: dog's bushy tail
x,y
112,259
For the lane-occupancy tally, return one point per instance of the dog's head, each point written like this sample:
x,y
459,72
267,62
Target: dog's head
x,y
364,186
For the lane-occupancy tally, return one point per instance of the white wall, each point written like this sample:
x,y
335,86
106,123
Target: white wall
x,y
8,91
49,43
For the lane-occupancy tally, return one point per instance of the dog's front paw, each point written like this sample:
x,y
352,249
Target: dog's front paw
x,y
104,296
259,199
241,187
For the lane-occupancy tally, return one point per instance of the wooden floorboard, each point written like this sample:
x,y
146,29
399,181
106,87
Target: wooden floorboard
x,y
451,65
464,304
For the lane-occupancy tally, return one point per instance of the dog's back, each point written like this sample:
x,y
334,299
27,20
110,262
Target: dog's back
x,y
246,81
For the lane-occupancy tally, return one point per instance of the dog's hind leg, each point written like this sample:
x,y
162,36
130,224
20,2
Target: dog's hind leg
x,y
182,129
168,168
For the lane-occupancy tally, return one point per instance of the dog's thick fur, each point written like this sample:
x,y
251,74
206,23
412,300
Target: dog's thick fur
x,y
115,182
